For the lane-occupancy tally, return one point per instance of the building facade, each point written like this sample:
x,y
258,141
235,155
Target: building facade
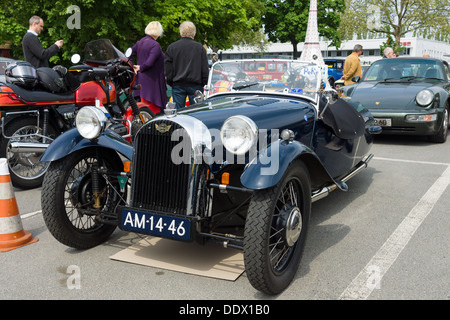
x,y
414,46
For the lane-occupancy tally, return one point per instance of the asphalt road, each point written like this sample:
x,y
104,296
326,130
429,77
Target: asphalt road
x,y
386,238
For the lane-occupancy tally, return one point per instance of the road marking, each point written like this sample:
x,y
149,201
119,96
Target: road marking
x,y
412,161
369,278
31,214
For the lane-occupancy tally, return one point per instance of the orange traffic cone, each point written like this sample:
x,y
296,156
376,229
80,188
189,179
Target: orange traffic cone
x,y
12,235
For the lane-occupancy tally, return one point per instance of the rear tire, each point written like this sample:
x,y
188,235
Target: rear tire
x,y
25,169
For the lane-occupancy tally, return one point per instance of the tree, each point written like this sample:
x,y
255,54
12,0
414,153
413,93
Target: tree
x,y
121,21
286,20
217,22
428,18
124,22
392,44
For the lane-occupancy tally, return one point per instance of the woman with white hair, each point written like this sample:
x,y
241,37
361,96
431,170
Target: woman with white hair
x,y
150,67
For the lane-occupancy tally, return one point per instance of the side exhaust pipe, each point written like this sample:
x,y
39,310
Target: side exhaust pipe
x,y
28,147
325,191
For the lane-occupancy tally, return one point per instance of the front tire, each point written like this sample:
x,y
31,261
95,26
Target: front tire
x,y
441,135
67,193
275,230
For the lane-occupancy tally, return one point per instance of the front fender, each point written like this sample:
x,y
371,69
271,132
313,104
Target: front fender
x,y
267,170
71,141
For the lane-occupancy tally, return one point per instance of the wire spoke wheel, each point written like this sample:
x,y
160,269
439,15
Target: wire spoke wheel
x,y
69,207
286,227
78,195
26,169
275,230
146,114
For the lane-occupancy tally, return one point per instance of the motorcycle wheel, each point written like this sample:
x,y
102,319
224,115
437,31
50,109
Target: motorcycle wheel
x,y
67,198
25,168
136,123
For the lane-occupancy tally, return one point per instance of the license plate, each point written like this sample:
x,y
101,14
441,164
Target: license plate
x,y
155,224
383,122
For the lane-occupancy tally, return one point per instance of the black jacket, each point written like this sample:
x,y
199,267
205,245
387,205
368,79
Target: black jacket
x,y
35,53
186,63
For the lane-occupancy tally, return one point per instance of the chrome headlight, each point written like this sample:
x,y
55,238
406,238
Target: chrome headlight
x,y
424,97
90,122
239,134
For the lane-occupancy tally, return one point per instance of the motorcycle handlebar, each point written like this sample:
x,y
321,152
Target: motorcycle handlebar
x,y
124,68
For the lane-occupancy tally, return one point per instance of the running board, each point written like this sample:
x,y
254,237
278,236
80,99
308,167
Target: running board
x,y
340,184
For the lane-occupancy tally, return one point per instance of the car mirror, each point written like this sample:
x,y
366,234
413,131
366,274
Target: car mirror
x,y
331,95
214,57
198,96
356,78
75,58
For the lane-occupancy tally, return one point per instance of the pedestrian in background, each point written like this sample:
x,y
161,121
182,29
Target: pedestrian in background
x,y
33,50
186,66
388,53
352,65
150,68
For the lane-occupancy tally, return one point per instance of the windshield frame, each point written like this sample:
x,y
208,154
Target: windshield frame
x,y
219,67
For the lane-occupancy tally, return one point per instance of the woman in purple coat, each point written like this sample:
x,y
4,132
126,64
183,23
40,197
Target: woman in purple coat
x,y
150,67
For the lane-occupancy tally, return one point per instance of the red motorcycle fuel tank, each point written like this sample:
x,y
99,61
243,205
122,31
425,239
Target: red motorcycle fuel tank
x,y
88,91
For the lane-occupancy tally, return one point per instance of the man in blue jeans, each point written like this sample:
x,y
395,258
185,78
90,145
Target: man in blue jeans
x,y
186,66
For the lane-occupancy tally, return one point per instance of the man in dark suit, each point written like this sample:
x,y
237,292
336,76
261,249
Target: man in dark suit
x,y
32,47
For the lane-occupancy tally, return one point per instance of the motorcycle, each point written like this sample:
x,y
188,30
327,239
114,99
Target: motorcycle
x,y
37,105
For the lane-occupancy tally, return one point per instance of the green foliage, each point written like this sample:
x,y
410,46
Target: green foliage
x,y
121,21
286,20
426,18
124,22
390,42
216,21
220,23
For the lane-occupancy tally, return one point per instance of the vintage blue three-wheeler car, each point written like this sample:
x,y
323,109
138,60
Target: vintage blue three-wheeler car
x,y
240,168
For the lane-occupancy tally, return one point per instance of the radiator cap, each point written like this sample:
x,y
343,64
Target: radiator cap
x,y
170,110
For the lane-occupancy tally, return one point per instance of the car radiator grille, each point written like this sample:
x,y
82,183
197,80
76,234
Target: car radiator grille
x,y
158,183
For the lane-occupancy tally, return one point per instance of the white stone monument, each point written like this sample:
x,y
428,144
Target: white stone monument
x,y
311,48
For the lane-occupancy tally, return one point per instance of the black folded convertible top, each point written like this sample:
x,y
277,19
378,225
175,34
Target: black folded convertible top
x,y
346,122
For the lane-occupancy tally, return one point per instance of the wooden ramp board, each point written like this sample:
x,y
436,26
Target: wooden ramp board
x,y
208,260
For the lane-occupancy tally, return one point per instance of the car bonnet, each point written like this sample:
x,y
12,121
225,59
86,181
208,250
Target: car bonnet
x,y
387,95
267,112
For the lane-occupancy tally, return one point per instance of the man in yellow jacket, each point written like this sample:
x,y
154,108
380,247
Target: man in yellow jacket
x,y
352,65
